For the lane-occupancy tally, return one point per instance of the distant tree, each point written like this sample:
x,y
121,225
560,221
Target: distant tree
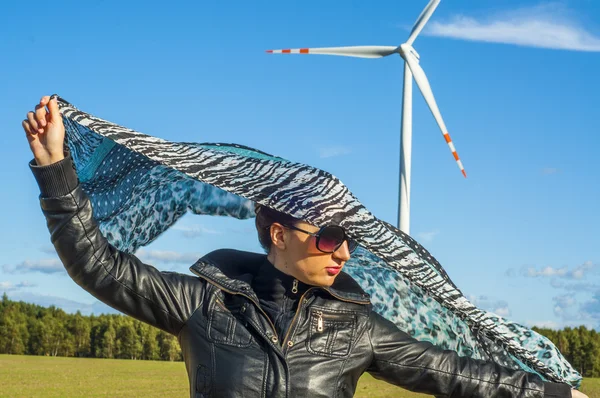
x,y
13,330
562,343
150,348
108,340
168,346
127,339
80,328
4,301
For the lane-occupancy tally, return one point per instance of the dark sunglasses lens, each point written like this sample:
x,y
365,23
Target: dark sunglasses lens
x,y
330,238
352,245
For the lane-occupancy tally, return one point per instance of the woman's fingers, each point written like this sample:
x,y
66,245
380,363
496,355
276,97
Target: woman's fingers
x,y
55,116
27,127
40,114
33,122
29,132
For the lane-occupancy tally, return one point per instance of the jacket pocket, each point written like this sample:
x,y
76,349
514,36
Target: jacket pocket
x,y
224,328
331,333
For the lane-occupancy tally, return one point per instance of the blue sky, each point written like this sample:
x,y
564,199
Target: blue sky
x,y
516,82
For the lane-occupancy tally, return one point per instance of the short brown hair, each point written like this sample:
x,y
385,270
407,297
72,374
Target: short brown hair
x,y
266,216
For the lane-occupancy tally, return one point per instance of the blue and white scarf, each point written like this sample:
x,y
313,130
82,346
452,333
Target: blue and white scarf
x,y
140,185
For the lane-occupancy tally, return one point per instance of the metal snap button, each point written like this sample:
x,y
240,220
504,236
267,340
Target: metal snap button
x,y
274,339
290,343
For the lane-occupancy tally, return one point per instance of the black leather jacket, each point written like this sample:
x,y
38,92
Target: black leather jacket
x,y
229,343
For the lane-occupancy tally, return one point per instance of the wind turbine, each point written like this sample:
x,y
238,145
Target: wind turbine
x,y
412,69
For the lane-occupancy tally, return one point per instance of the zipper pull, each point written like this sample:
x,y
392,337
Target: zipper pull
x,y
295,286
319,321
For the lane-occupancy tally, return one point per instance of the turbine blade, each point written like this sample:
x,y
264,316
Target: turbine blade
x,y
352,51
422,20
425,87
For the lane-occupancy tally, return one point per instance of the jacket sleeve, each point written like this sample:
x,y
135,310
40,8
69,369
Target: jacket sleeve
x,y
162,299
423,367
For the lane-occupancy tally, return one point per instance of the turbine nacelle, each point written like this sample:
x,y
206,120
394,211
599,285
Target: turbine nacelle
x,y
406,48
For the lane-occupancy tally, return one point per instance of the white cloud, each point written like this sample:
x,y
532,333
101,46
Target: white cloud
x,y
545,26
194,231
575,287
48,249
544,324
546,271
577,273
564,300
491,304
6,286
591,308
160,256
45,266
564,307
9,286
573,281
580,271
573,313
502,311
550,171
334,151
427,237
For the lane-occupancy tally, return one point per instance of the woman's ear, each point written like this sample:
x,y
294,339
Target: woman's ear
x,y
277,232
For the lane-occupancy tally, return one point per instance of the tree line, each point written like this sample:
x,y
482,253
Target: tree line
x,y
35,330
29,329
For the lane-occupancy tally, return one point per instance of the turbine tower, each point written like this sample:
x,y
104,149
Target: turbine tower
x,y
412,69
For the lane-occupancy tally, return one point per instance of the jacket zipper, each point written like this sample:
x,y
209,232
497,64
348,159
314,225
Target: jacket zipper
x,y
329,316
319,321
274,338
285,343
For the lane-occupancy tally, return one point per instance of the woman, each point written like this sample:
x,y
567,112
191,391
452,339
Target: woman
x,y
288,324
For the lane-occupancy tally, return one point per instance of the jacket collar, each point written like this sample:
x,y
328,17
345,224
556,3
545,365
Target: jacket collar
x,y
234,270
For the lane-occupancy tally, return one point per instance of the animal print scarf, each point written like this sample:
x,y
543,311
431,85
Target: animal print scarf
x,y
140,185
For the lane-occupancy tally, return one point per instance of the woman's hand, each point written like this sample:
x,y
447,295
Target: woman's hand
x,y
45,132
577,394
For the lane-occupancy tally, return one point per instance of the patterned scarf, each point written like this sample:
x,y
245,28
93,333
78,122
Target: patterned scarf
x,y
140,185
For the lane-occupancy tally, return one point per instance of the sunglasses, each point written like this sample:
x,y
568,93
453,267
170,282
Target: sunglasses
x,y
329,238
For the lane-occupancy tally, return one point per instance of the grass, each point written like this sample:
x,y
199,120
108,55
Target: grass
x,y
591,387
32,376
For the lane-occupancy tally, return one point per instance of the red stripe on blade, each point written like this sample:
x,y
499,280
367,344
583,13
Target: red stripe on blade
x,y
304,51
286,51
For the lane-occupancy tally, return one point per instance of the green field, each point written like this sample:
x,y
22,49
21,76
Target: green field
x,y
32,376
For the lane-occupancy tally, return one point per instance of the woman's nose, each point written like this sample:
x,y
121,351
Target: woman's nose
x,y
343,252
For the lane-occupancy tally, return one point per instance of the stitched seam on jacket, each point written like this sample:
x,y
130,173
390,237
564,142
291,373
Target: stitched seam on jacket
x,y
368,330
266,374
341,371
206,291
103,264
460,375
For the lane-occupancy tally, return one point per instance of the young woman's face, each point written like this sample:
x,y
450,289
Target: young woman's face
x,y
298,256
